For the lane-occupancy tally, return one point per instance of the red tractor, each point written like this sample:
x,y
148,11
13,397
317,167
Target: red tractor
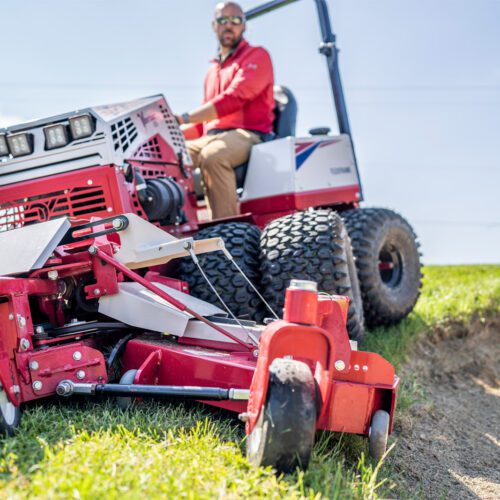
x,y
300,219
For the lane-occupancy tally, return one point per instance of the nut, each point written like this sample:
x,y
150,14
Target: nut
x,y
80,374
77,355
53,275
118,224
339,365
37,385
24,344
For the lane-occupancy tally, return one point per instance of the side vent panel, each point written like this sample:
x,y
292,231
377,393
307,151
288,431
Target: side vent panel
x,y
123,133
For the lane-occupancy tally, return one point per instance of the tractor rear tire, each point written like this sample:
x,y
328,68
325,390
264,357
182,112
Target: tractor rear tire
x,y
242,241
312,245
10,415
388,263
283,436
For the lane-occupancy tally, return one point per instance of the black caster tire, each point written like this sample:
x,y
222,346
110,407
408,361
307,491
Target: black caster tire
x,y
379,433
388,263
10,415
124,403
283,437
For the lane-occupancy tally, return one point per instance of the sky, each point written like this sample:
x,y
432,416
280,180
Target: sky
x,y
421,81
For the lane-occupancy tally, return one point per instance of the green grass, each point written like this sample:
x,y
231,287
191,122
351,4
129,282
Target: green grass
x,y
91,450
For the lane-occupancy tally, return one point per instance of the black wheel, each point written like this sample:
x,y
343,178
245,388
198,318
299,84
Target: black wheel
x,y
10,415
283,437
242,241
311,245
379,433
124,403
388,263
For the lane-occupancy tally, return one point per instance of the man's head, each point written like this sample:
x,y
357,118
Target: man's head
x,y
229,24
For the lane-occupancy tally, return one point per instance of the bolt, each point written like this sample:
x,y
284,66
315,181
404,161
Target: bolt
x,y
21,321
89,182
11,316
25,344
53,275
80,374
77,355
255,353
187,245
339,365
118,224
220,244
34,365
39,330
365,368
356,368
244,416
92,250
37,385
16,389
97,291
110,209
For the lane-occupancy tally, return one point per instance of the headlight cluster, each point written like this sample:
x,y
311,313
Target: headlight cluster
x,y
56,136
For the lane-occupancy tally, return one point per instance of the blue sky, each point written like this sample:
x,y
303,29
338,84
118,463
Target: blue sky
x,y
421,78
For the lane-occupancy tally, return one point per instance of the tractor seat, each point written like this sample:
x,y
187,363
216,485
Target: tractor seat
x,y
285,120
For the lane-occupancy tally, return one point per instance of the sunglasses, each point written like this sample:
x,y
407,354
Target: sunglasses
x,y
236,20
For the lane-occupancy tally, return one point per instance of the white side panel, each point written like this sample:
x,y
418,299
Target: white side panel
x,y
137,306
271,170
28,248
324,162
198,330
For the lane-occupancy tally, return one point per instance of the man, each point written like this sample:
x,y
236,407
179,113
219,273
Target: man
x,y
237,112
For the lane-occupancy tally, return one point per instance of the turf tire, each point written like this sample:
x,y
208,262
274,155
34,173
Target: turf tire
x,y
242,241
382,237
311,245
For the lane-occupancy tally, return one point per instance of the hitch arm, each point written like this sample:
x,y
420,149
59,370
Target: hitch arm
x,y
69,388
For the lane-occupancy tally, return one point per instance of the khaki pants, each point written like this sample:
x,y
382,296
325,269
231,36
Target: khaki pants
x,y
217,155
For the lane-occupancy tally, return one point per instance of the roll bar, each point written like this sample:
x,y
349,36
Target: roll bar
x,y
327,47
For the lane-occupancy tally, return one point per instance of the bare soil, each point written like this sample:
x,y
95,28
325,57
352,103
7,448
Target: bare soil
x,y
449,443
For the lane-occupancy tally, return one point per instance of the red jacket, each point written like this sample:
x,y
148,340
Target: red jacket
x,y
241,89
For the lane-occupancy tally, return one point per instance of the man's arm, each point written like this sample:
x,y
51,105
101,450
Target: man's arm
x,y
251,79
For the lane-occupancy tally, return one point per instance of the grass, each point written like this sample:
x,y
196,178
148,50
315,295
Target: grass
x,y
88,449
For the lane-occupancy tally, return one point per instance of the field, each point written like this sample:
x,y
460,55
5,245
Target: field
x,y
92,450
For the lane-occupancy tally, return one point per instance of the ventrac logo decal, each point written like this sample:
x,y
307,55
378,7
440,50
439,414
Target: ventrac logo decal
x,y
304,150
148,117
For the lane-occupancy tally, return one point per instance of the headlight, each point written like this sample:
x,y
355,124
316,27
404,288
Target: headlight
x,y
81,126
4,147
20,144
56,136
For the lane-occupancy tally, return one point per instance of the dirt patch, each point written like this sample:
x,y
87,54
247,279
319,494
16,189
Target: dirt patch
x,y
449,444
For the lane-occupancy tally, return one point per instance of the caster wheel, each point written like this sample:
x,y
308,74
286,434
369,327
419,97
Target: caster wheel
x,y
379,432
10,415
283,437
124,403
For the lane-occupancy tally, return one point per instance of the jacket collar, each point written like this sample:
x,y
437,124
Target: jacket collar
x,y
239,48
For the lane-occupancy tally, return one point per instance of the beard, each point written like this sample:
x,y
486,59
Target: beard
x,y
229,40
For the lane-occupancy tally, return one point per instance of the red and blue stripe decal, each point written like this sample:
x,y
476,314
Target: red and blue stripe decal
x,y
304,150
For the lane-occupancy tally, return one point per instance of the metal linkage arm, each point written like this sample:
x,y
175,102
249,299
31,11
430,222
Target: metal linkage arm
x,y
69,388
